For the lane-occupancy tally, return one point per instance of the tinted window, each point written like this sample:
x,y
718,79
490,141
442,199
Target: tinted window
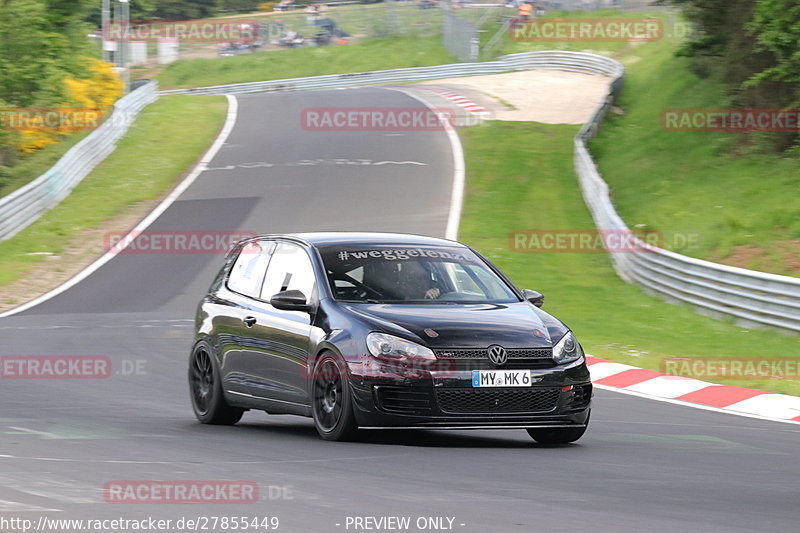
x,y
412,274
290,269
247,273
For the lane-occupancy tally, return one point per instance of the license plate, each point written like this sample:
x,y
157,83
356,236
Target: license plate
x,y
501,378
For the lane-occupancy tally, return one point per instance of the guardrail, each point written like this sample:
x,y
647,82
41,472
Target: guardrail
x,y
751,297
550,60
25,205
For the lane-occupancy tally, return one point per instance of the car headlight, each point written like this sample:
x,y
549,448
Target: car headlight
x,y
567,349
391,347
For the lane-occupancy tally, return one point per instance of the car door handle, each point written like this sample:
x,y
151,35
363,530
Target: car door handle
x,y
249,321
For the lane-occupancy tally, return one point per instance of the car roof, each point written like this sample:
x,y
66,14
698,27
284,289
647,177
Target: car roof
x,y
344,238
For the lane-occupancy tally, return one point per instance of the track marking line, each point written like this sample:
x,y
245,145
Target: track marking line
x,y
230,122
457,194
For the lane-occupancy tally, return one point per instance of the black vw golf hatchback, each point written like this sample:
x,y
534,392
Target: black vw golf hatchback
x,y
365,331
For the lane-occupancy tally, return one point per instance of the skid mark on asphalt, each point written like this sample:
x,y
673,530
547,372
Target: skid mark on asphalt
x,y
164,324
72,430
48,486
315,162
193,464
7,506
693,443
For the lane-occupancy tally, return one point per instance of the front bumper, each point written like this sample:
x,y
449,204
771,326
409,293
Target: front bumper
x,y
560,396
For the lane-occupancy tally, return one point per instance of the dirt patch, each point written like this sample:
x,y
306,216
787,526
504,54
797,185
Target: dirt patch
x,y
546,96
783,257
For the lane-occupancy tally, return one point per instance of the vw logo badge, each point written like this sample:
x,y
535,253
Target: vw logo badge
x,y
497,354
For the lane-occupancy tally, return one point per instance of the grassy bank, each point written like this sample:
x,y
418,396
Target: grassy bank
x,y
370,54
148,161
520,177
741,204
34,165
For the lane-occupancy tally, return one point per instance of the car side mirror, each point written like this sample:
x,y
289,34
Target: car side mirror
x,y
534,297
292,300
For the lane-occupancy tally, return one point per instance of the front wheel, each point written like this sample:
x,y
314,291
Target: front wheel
x,y
557,435
331,402
205,389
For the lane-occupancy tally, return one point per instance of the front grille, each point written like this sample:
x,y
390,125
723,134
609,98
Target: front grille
x,y
403,400
482,353
533,400
581,396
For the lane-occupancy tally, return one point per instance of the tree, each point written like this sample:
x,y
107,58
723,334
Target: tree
x,y
185,9
776,23
754,46
32,54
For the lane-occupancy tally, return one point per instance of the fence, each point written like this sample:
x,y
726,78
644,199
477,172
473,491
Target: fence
x,y
460,36
23,206
382,19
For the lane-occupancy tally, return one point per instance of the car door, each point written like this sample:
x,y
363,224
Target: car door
x,y
238,311
283,338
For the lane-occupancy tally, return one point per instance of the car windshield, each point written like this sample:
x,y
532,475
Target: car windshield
x,y
412,274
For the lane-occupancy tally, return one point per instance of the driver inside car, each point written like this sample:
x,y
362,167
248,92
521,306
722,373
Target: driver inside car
x,y
417,282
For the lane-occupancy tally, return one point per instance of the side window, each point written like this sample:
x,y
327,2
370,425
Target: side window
x,y
290,269
247,273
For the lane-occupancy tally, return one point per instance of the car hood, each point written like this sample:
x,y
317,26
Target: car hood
x,y
515,325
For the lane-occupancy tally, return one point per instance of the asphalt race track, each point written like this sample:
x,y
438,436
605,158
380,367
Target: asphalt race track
x,y
643,465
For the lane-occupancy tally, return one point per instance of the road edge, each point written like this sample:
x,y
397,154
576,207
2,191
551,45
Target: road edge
x,y
230,122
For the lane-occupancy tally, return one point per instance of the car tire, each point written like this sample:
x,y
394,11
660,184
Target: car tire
x,y
205,389
557,435
331,401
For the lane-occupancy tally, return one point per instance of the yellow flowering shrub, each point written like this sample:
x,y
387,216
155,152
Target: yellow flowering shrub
x,y
99,90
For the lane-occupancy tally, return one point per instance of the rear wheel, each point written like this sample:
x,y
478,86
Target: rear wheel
x,y
557,435
331,401
205,389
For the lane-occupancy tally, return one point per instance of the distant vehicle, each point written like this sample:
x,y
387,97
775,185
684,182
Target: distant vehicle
x,y
375,331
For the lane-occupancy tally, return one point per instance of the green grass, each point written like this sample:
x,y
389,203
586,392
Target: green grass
x,y
31,166
714,186
519,177
512,45
371,54
167,138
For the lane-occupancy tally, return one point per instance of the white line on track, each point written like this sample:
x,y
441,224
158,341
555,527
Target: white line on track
x,y
233,110
457,195
693,405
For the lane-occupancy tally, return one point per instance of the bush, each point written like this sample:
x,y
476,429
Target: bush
x,y
99,91
266,7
